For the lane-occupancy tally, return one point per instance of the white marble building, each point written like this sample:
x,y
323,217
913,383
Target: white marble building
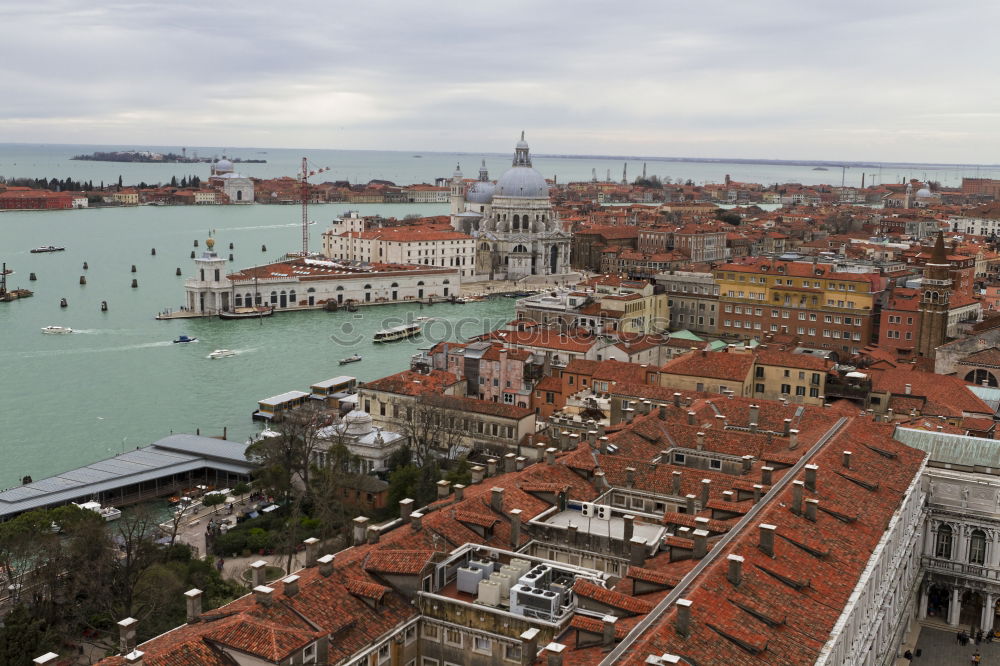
x,y
237,187
372,446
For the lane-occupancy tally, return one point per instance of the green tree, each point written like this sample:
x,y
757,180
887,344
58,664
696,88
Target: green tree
x,y
23,636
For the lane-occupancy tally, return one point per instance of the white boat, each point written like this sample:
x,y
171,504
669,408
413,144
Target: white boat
x,y
422,319
222,353
57,330
108,513
350,359
396,333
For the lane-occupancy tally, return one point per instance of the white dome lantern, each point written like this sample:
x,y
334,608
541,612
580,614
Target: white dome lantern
x,y
522,181
357,423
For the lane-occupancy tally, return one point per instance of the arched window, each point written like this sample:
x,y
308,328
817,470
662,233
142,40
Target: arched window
x,y
238,300
248,299
446,282
291,296
520,248
368,286
977,547
395,284
979,375
420,284
274,297
341,288
517,222
942,546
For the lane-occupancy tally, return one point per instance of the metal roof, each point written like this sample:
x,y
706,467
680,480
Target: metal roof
x,y
343,379
171,455
988,394
283,397
952,449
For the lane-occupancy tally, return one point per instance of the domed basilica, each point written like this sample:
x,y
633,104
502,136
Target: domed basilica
x,y
516,231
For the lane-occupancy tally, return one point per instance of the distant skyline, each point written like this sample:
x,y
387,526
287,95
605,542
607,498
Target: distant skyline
x,y
851,81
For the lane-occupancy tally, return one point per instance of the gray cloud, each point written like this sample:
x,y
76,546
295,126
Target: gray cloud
x,y
780,78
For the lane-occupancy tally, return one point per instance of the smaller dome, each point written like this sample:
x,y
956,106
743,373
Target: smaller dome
x,y
924,192
210,243
223,166
357,422
481,192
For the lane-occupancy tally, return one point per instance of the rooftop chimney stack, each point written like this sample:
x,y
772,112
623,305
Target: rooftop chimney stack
x,y
700,440
793,439
735,573
529,646
637,551
811,477
765,475
747,461
754,417
603,445
459,491
608,629
689,506
405,509
192,600
767,539
443,489
550,455
373,534
478,473
554,656
520,462
700,538
629,414
629,477
675,488
134,658
509,463
683,620
706,489
415,520
847,459
360,529
496,499
787,427
811,506
600,480
628,527
126,634
291,585
491,467
677,399
908,389
662,412
515,529
312,550
692,418
263,595
258,573
758,490
325,564
797,486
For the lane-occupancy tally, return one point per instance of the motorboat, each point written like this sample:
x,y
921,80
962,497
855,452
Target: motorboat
x,y
57,330
396,333
421,319
252,312
183,338
350,359
222,353
47,248
108,513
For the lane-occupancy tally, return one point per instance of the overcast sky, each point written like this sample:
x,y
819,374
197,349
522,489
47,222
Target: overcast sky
x,y
848,80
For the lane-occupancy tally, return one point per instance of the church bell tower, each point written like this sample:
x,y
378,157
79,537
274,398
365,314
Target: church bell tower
x,y
934,301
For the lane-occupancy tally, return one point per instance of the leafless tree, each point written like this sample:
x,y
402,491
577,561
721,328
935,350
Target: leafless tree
x,y
433,427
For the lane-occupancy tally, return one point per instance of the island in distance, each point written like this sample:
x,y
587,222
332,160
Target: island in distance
x,y
147,156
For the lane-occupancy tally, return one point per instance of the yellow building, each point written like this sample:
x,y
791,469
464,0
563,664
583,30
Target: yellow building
x,y
126,197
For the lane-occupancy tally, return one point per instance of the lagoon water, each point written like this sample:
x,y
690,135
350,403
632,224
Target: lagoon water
x,y
119,382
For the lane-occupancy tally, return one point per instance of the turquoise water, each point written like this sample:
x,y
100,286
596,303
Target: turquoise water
x,y
119,382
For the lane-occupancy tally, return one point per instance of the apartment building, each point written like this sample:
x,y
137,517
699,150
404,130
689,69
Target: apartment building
x,y
693,300
403,245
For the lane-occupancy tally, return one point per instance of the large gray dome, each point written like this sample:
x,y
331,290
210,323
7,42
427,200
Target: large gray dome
x,y
522,182
481,192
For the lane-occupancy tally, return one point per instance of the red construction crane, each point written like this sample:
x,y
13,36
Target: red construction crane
x,y
304,193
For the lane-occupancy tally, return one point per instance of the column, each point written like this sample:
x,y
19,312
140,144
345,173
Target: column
x,y
955,607
986,623
924,589
928,539
961,544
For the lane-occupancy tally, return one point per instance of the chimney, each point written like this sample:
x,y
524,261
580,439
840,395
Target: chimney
x,y
515,529
700,543
797,486
793,439
134,658
262,593
735,574
554,655
767,539
459,492
478,472
520,462
415,520
662,412
608,627
126,634
571,533
373,534
592,437
637,551
675,488
728,496
258,574
645,406
491,467
496,499
360,529
765,475
689,506
192,600
628,527
706,488
312,550
600,480
325,564
629,477
758,490
754,417
291,585
747,463
908,389
787,427
509,463
677,399
405,509
683,619
811,506
603,444
888,415
692,417
444,489
700,439
811,477
47,658
720,420
550,455
629,414
847,459
529,646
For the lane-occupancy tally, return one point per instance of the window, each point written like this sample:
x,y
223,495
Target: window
x,y
482,645
309,654
679,458
427,661
977,547
430,631
814,393
384,653
715,464
453,637
512,652
942,546
786,389
759,388
800,390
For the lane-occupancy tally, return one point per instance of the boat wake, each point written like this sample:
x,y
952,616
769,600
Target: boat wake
x,y
92,350
108,331
265,226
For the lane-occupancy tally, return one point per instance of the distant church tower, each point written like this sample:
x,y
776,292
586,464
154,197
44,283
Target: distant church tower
x,y
934,301
457,193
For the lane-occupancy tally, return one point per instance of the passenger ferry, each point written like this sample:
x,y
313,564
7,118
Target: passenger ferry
x,y
397,333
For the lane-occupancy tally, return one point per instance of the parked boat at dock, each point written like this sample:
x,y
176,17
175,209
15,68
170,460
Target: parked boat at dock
x,y
108,513
248,313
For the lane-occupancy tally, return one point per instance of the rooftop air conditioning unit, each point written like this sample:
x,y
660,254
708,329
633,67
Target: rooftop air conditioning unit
x,y
522,566
468,580
602,511
504,581
587,509
532,602
488,565
489,593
